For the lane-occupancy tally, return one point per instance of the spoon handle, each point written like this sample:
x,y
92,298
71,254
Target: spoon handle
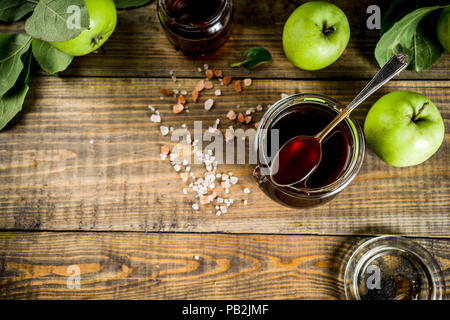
x,y
394,66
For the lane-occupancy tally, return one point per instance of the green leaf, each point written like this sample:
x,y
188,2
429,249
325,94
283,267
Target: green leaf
x,y
418,42
58,20
123,4
12,48
13,10
11,103
253,57
400,8
49,58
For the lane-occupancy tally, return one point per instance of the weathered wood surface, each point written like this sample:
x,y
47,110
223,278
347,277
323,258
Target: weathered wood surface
x,y
53,178
139,47
179,266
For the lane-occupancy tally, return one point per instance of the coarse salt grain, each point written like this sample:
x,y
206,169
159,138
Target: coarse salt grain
x,y
208,84
181,99
155,118
195,207
247,190
208,104
205,200
165,150
229,135
237,86
227,80
177,108
184,176
200,86
164,130
209,74
247,82
231,115
218,92
259,107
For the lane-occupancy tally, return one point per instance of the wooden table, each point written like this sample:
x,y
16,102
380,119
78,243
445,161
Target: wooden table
x,y
82,182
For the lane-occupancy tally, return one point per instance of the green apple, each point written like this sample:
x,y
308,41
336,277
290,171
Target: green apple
x,y
404,128
443,29
103,20
315,35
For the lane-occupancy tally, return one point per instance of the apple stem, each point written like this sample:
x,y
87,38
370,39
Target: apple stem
x,y
326,30
423,107
97,40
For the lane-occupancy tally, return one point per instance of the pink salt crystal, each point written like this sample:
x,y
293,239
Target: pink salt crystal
x,y
229,135
165,150
226,184
231,115
184,176
205,200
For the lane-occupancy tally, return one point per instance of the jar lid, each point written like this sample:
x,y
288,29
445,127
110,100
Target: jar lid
x,y
393,268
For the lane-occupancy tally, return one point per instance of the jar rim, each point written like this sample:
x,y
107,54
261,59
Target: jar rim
x,y
204,24
358,138
375,246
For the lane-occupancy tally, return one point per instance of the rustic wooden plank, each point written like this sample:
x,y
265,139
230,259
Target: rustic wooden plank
x,y
34,265
139,47
53,178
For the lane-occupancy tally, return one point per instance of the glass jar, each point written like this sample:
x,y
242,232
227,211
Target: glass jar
x,y
304,196
392,268
194,26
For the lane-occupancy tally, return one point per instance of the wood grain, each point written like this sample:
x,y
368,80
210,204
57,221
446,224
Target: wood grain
x,y
53,178
180,266
139,48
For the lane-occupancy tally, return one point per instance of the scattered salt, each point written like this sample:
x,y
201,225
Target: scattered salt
x,y
155,118
208,104
164,130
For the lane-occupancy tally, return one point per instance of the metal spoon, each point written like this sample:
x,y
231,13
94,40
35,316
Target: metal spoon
x,y
300,156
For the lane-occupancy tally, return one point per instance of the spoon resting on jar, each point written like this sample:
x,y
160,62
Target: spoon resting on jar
x,y
300,156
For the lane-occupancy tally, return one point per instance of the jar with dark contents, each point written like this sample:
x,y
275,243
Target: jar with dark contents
x,y
342,151
196,26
